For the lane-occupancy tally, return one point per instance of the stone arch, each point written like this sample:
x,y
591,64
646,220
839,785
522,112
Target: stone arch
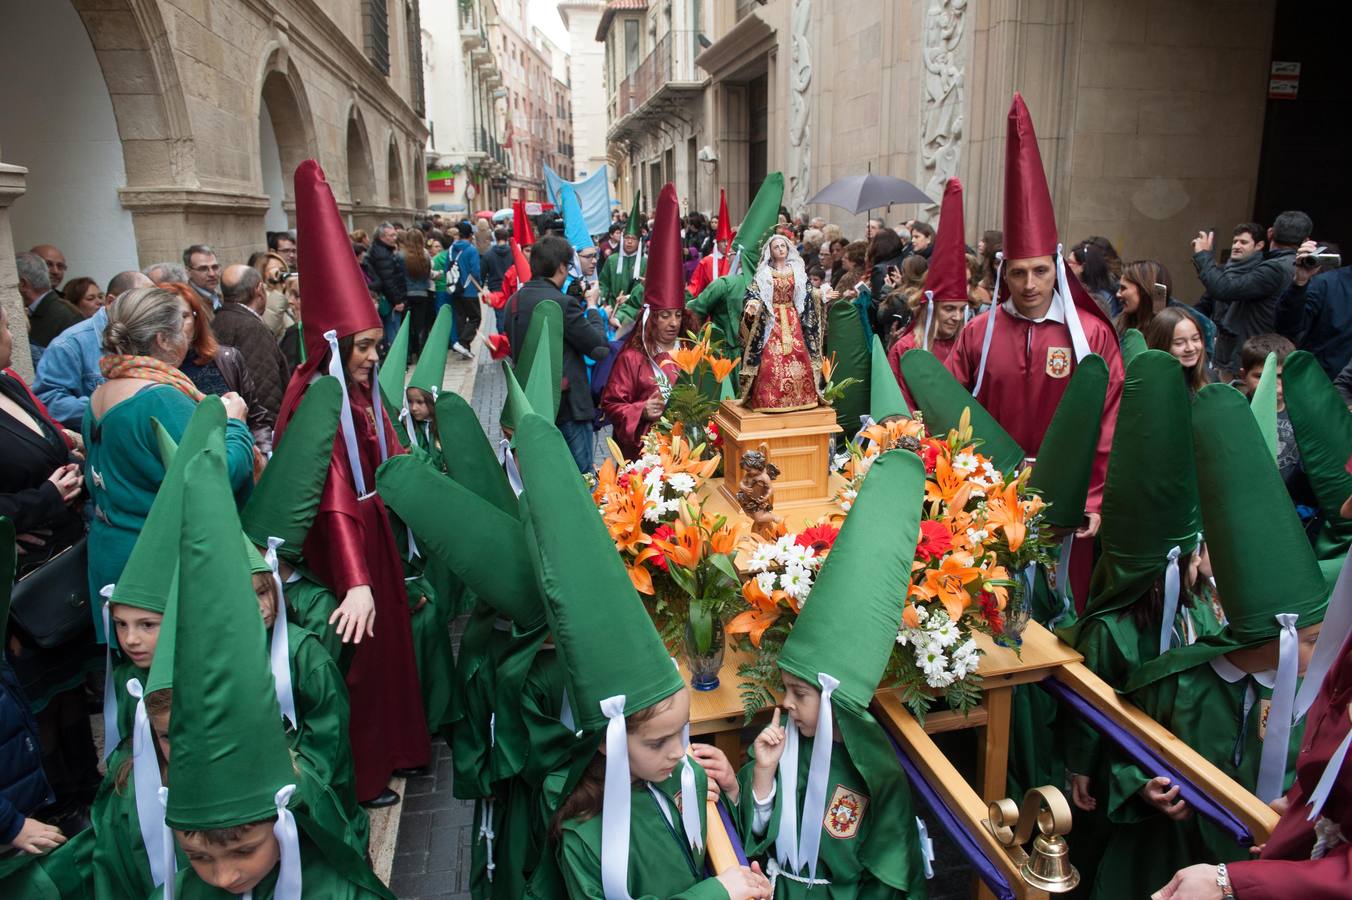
x,y
398,198
418,172
286,129
361,173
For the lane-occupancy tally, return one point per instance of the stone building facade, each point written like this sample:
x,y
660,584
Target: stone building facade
x,y
161,123
1151,115
538,104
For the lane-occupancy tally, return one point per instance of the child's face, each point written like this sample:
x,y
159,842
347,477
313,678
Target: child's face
x,y
1266,656
160,725
656,747
816,280
236,866
418,407
1250,377
266,592
138,631
802,701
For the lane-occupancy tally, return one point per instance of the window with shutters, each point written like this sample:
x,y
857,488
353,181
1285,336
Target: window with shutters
x,y
376,34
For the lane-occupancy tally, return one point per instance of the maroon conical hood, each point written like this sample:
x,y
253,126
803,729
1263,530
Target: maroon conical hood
x,y
946,278
724,232
1030,224
334,288
663,286
521,230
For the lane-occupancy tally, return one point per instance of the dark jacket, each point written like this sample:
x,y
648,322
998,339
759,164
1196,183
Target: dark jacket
x,y
1243,297
389,271
240,327
52,316
230,363
27,498
496,261
23,785
1317,317
877,279
584,334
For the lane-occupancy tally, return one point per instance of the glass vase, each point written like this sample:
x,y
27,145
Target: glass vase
x,y
704,667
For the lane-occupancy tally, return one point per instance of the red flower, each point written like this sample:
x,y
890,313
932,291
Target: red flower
x,y
661,533
929,454
715,439
935,540
819,537
990,608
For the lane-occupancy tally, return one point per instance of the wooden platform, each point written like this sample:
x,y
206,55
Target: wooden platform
x,y
799,443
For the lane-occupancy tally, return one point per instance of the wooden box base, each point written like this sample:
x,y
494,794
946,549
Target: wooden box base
x,y
799,443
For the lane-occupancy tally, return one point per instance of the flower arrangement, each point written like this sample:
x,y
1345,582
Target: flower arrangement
x,y
977,528
693,398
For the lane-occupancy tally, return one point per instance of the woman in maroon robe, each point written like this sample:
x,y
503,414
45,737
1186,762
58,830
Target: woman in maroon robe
x,y
636,392
350,546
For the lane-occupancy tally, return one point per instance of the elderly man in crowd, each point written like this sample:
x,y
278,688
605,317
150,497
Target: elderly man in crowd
x,y
204,273
48,313
69,371
56,264
239,323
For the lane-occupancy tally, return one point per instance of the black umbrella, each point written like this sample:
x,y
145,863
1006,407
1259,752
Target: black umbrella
x,y
857,193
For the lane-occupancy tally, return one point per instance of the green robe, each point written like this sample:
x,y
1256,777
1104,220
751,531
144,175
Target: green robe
x,y
838,859
123,671
63,874
721,303
615,279
471,740
661,864
121,866
311,604
432,652
1205,711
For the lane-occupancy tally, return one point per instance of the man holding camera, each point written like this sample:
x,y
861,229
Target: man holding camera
x,y
1315,311
1244,293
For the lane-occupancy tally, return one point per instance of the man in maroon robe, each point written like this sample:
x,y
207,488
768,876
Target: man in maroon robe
x,y
1017,357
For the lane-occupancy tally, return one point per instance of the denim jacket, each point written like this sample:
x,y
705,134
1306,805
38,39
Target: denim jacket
x,y
69,371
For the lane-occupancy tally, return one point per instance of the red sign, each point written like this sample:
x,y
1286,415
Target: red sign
x,y
1283,80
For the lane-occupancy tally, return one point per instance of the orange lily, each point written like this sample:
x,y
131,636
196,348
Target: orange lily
x,y
688,547
765,612
947,487
722,367
828,366
639,575
992,572
1004,511
624,518
687,359
910,616
726,538
948,583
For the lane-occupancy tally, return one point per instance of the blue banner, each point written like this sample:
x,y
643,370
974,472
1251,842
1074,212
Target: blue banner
x,y
593,193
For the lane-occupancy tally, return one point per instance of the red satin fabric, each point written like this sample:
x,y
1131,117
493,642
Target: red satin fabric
x,y
910,341
349,544
631,383
703,276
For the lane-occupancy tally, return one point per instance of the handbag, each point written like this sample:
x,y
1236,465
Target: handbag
x,y
51,603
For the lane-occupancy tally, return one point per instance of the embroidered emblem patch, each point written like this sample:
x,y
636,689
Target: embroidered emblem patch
x,y
1264,709
844,813
1058,361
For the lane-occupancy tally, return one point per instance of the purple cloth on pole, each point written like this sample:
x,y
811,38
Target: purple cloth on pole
x,y
1143,756
732,836
976,856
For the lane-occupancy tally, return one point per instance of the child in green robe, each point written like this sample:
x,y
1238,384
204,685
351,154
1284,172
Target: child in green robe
x,y
1231,696
840,817
423,421
634,815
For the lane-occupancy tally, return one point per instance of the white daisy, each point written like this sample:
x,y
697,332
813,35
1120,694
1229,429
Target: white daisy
x,y
797,555
766,580
977,535
964,464
762,558
796,581
682,483
944,632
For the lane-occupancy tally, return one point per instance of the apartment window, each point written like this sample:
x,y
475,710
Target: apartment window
x,y
413,28
631,39
376,34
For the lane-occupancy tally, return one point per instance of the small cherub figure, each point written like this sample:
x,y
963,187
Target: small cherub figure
x,y
756,492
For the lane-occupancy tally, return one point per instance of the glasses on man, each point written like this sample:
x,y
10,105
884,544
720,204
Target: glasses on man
x,y
587,255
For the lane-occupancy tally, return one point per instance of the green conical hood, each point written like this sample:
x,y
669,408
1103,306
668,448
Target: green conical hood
x,y
760,220
1150,500
1065,460
8,564
1264,403
151,574
849,626
942,399
468,455
847,342
1133,344
230,752
430,371
1323,427
394,368
538,394
286,499
634,226
544,336
1262,560
481,544
885,397
608,644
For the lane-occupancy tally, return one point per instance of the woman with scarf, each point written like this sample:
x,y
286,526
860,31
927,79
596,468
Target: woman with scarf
x,y
636,393
351,546
146,337
782,333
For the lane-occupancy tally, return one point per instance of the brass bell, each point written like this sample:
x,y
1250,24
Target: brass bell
x,y
1048,867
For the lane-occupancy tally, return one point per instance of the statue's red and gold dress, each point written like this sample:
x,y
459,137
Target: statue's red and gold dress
x,y
785,379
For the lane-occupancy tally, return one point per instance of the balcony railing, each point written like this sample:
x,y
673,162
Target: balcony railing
x,y
672,59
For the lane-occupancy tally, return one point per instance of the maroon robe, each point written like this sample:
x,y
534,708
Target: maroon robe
x,y
909,340
1027,371
1285,869
349,544
632,382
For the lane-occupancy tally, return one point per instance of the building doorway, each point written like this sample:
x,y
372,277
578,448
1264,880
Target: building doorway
x,y
758,132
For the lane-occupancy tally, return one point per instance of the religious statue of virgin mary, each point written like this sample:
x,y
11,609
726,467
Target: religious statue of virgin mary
x,y
783,332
